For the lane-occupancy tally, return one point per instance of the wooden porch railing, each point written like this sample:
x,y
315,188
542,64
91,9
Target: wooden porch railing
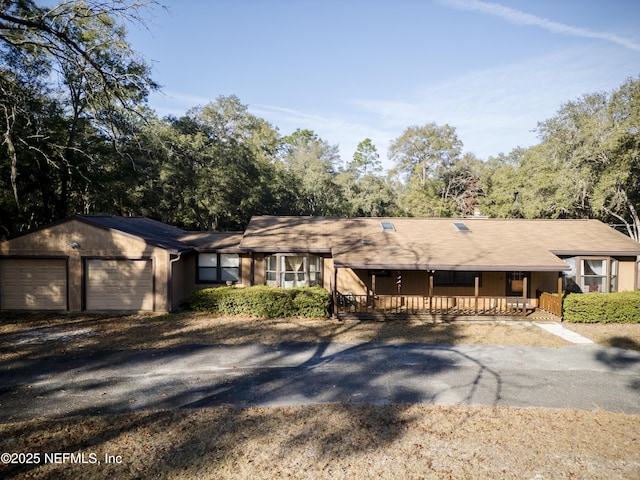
x,y
436,305
551,302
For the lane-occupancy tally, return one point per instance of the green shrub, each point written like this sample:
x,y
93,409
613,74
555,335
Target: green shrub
x,y
621,307
263,301
310,302
208,299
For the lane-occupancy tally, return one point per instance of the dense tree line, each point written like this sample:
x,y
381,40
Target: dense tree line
x,y
77,137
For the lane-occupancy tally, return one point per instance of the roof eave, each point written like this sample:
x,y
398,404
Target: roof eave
x,y
597,253
219,250
284,249
461,268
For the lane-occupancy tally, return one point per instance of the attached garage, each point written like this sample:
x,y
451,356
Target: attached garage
x,y
95,263
33,284
103,263
119,284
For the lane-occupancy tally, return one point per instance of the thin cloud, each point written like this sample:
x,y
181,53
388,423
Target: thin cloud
x,y
522,18
496,109
341,129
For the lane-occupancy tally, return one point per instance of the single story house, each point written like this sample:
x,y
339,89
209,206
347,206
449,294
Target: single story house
x,y
433,265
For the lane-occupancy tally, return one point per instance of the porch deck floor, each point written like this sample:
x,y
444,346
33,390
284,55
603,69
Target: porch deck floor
x,y
535,316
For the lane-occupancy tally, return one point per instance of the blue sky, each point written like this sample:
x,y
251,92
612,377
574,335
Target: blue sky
x,y
354,69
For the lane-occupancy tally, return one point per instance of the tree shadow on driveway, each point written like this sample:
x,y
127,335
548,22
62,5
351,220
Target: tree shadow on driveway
x,y
161,388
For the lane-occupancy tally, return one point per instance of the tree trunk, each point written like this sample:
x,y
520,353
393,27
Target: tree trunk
x,y
11,150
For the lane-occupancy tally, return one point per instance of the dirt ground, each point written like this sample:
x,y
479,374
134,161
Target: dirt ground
x,y
326,441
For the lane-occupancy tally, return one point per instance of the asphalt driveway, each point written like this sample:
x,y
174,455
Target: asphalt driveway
x,y
582,376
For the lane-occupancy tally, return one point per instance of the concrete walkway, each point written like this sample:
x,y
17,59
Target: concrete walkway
x,y
568,335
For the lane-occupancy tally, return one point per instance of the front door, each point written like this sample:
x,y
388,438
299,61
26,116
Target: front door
x,y
515,283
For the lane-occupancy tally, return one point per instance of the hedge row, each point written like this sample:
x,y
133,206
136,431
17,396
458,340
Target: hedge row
x,y
621,307
263,301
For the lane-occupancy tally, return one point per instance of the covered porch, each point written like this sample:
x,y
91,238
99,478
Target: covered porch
x,y
515,300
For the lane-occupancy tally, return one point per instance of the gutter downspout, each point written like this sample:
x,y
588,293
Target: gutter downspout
x,y
170,279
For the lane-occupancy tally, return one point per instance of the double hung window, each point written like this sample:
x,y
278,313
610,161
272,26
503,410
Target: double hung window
x,y
218,267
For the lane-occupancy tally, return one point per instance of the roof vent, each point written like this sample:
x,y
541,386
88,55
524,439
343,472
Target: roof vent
x,y
387,227
461,227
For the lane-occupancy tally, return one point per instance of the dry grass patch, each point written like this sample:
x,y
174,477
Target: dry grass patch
x,y
34,335
336,441
621,335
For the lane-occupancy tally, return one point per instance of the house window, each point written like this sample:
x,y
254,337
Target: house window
x,y
218,267
272,270
591,274
570,277
456,279
291,271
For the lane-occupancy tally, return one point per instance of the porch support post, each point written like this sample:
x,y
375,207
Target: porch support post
x,y
524,295
430,292
560,295
477,290
252,270
560,285
373,290
335,292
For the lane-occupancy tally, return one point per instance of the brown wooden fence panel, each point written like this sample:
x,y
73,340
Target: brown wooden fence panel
x,y
551,303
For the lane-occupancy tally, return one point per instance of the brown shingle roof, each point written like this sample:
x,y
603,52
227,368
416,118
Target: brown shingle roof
x,y
151,231
436,244
167,236
218,241
293,234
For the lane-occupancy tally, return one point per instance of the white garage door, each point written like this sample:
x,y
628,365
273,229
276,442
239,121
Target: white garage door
x,y
124,285
33,284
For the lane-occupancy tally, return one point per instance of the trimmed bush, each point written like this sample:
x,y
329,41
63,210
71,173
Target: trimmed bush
x,y
263,301
621,307
310,302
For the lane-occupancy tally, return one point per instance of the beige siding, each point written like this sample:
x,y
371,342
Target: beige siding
x,y
327,273
258,269
182,280
123,285
350,282
627,275
33,284
245,271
